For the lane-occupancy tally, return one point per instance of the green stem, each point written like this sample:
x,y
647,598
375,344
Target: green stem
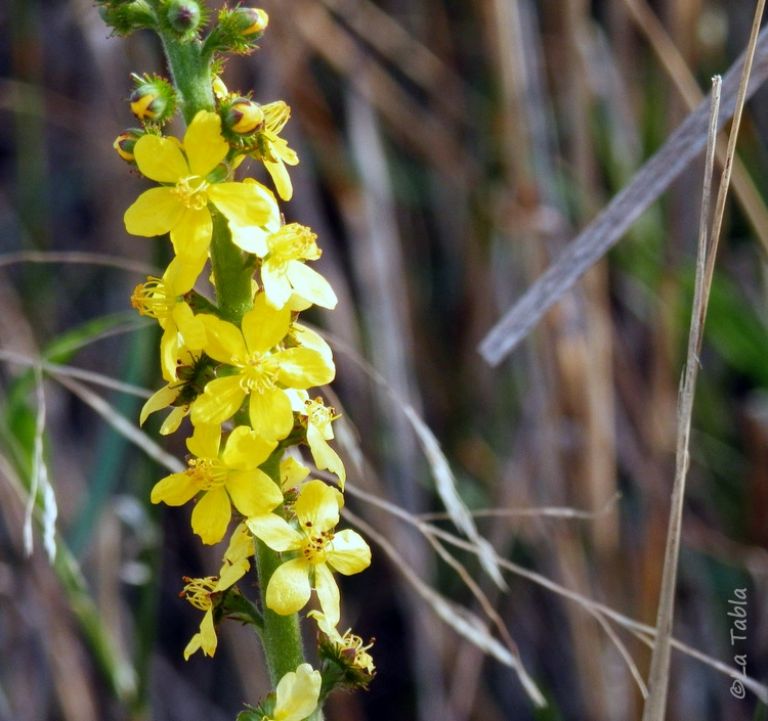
x,y
191,73
232,273
281,634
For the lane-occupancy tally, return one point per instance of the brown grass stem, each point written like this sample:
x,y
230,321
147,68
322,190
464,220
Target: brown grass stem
x,y
659,673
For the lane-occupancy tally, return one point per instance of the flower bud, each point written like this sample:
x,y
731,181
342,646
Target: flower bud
x,y
243,116
125,142
126,16
153,100
251,21
183,15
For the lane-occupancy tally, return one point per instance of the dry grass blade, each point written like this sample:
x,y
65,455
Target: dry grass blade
x,y
659,674
462,621
682,147
445,482
73,372
79,258
540,512
705,264
40,484
623,652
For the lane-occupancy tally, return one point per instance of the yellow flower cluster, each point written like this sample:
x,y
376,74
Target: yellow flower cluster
x,y
244,383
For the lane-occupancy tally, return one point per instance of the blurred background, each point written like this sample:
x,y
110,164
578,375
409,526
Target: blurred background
x,y
449,151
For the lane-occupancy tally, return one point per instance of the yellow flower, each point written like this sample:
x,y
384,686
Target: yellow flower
x,y
193,372
318,547
319,432
181,205
284,272
350,647
231,477
273,151
262,370
163,299
235,563
296,694
198,592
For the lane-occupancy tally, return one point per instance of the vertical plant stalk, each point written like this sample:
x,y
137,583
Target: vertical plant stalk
x,y
655,707
659,673
191,72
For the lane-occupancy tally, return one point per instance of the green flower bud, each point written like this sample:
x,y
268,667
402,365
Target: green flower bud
x,y
184,15
250,21
153,100
243,116
125,17
125,142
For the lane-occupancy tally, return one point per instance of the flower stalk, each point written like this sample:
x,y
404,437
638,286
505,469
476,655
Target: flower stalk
x,y
239,368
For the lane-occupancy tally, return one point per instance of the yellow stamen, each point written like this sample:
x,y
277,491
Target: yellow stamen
x,y
191,192
198,591
153,299
207,473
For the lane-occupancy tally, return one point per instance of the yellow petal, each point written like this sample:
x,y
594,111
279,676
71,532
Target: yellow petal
x,y
292,472
253,493
224,341
211,516
280,178
246,450
243,204
208,639
235,563
349,553
174,490
270,413
182,274
281,150
191,235
251,238
309,284
324,456
288,590
327,593
317,506
277,287
173,421
192,646
190,326
263,326
160,159
304,368
297,694
220,401
203,144
275,531
170,347
155,212
204,441
310,339
157,401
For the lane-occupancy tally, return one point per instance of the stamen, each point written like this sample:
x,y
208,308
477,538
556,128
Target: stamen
x,y
197,591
